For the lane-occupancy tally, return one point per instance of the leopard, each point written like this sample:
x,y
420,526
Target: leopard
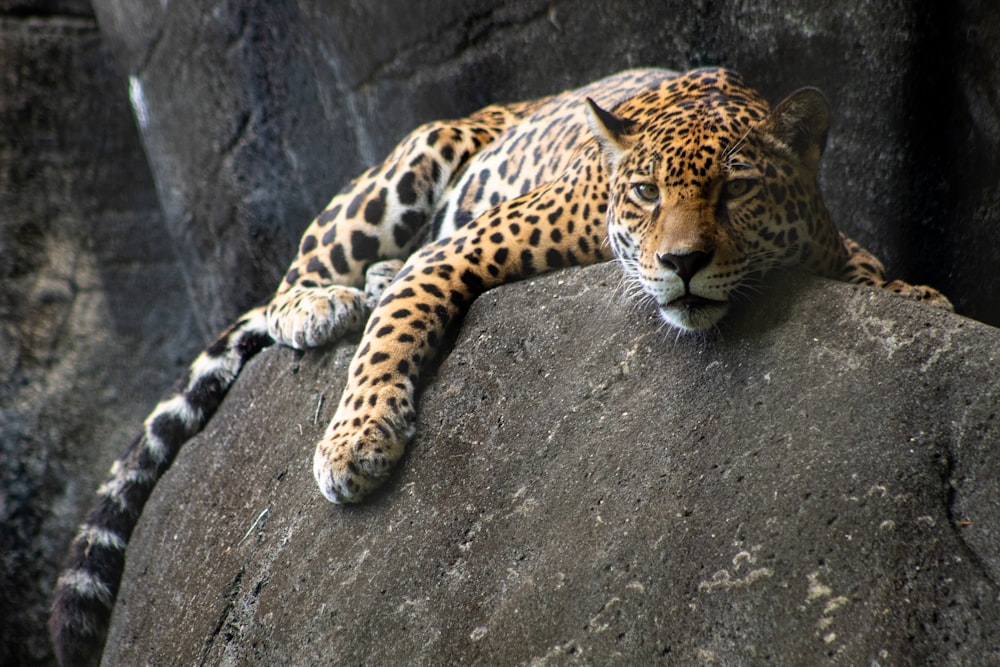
x,y
692,181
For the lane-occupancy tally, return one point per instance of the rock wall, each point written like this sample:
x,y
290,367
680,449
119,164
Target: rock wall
x,y
251,114
95,319
816,484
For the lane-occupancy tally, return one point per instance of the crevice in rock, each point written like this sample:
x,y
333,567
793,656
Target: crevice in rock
x,y
232,596
32,11
955,522
458,38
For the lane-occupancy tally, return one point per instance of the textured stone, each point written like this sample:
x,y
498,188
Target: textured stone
x,y
94,317
818,480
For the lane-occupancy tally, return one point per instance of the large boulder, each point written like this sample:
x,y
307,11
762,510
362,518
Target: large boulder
x,y
815,481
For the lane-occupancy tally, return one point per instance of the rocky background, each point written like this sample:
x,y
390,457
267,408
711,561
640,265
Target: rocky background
x,y
159,160
95,317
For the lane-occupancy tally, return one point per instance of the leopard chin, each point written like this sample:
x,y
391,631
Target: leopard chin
x,y
692,313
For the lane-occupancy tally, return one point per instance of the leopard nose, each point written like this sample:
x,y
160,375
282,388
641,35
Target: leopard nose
x,y
685,265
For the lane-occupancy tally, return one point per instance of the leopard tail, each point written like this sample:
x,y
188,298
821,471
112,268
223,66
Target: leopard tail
x,y
88,584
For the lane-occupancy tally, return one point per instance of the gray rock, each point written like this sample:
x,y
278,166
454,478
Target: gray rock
x,y
816,481
94,317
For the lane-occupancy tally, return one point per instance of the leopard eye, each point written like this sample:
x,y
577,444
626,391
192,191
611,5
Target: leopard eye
x,y
737,187
646,192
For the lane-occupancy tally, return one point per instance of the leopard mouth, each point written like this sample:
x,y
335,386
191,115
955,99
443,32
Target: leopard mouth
x,y
695,302
691,312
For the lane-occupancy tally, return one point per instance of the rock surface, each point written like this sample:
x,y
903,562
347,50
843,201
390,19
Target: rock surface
x,y
95,321
816,482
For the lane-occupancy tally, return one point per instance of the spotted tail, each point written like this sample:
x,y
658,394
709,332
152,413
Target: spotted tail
x,y
86,590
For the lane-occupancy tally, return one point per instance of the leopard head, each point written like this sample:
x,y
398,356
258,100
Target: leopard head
x,y
710,189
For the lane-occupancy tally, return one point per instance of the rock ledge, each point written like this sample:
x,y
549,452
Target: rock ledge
x,y
816,481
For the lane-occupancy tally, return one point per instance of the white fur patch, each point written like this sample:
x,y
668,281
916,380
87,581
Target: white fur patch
x,y
178,408
121,478
101,537
224,367
86,585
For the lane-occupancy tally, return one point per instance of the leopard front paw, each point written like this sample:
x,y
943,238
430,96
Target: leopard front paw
x,y
377,278
306,317
350,464
921,293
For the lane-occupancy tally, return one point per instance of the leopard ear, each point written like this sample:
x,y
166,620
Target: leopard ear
x,y
613,132
801,122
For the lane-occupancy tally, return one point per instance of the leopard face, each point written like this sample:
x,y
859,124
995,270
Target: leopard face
x,y
709,192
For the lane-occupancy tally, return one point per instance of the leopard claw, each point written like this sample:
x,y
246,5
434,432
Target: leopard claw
x,y
308,317
921,293
377,278
350,464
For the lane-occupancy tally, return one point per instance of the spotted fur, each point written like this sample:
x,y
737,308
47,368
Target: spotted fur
x,y
693,182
